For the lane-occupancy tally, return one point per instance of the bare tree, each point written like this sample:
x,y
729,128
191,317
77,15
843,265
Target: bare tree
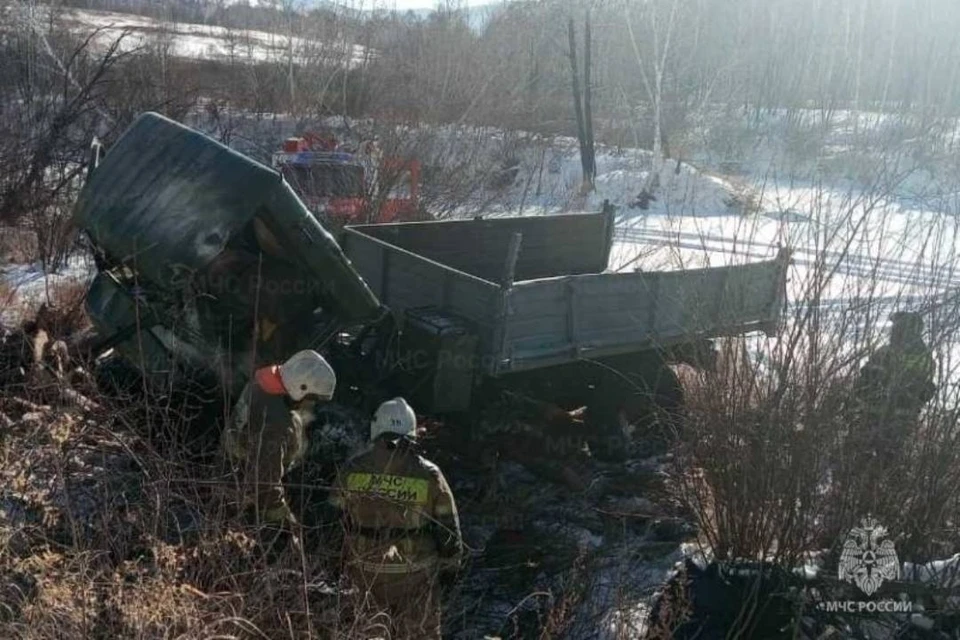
x,y
661,35
588,98
46,137
581,106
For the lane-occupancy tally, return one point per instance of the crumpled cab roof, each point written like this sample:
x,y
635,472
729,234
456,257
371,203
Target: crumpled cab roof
x,y
167,199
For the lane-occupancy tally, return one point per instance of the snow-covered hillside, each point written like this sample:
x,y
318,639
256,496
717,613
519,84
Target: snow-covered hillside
x,y
895,232
192,41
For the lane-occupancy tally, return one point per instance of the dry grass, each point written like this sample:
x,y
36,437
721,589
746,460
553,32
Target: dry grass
x,y
779,470
778,475
783,472
62,311
109,531
8,296
113,527
18,245
758,458
674,607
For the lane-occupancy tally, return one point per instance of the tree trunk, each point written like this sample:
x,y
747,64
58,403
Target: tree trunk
x,y
654,181
578,109
590,170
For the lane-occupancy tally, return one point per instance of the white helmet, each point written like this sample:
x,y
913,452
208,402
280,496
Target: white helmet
x,y
394,416
307,373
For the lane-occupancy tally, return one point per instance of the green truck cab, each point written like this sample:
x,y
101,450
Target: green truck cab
x,y
166,206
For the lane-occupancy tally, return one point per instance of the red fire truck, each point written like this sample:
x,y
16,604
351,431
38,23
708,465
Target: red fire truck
x,y
350,186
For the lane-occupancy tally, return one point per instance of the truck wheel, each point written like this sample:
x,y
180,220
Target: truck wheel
x,y
636,406
611,400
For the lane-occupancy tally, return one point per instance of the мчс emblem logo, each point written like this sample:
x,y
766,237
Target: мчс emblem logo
x,y
868,557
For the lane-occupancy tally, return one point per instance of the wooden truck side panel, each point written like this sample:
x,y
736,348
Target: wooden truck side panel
x,y
557,320
529,322
552,245
404,280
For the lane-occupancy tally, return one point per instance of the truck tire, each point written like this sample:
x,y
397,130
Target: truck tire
x,y
639,405
612,400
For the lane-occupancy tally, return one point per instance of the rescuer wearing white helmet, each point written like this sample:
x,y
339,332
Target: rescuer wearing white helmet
x,y
401,529
394,417
267,430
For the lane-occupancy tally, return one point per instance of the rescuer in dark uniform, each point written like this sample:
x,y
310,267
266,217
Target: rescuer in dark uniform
x,y
894,385
401,529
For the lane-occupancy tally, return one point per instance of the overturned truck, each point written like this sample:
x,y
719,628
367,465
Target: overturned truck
x,y
167,210
440,311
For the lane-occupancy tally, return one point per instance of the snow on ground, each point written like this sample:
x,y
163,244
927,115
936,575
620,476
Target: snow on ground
x,y
945,573
198,41
878,241
31,286
871,219
853,258
887,237
527,570
521,174
209,42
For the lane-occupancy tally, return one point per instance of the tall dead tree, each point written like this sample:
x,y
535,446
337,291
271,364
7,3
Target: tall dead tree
x,y
587,91
582,107
661,36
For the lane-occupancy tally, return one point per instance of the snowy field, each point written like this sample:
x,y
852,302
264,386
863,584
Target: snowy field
x,y
28,286
188,40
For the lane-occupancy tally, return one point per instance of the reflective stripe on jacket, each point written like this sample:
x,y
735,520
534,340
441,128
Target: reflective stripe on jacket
x,y
399,512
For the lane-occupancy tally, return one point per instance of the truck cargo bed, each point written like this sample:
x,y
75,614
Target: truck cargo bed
x,y
558,305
